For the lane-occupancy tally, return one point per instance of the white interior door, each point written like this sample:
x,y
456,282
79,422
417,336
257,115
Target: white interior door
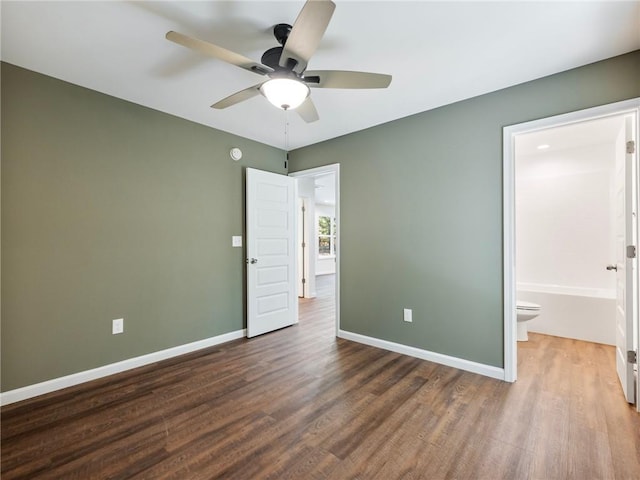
x,y
626,264
271,253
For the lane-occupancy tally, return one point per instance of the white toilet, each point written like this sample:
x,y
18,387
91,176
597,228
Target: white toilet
x,y
525,311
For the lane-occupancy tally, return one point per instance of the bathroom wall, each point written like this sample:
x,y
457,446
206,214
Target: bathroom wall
x,y
563,217
564,240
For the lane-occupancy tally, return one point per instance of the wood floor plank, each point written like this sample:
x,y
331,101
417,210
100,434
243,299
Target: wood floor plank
x,y
300,404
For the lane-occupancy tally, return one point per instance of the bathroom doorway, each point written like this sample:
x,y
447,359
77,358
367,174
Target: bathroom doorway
x,y
564,219
560,198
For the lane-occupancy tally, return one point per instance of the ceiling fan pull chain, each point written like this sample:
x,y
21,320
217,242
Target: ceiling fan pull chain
x,y
286,130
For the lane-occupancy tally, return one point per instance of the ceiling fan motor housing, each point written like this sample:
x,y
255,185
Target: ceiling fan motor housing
x,y
271,57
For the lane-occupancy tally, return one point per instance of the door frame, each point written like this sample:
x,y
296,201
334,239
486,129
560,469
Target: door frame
x,y
314,172
509,133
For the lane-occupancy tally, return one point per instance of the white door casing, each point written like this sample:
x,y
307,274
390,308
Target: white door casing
x,y
627,107
625,263
272,300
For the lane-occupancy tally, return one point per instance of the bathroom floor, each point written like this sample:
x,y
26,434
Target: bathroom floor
x,y
573,402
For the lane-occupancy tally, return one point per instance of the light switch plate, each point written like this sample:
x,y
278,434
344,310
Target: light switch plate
x,y
236,241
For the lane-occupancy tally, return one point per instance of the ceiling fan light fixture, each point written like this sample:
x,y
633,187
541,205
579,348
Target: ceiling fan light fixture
x,y
285,93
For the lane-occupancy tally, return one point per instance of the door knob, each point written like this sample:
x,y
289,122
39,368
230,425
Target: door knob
x,y
612,267
253,260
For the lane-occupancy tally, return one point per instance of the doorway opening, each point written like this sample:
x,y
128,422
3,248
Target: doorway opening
x,y
318,276
561,198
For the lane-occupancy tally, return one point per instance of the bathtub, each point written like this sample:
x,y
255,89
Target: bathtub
x,y
573,312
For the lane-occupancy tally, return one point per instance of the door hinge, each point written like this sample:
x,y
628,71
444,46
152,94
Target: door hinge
x,y
632,356
304,280
631,146
631,251
304,245
304,209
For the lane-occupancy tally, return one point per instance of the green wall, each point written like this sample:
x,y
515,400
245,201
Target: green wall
x,y
421,210
112,210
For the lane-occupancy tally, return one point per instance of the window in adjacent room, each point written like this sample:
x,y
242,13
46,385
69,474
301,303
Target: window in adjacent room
x,y
326,236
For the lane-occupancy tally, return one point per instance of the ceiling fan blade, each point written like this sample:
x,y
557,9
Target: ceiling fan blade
x,y
307,111
238,97
306,33
218,52
345,79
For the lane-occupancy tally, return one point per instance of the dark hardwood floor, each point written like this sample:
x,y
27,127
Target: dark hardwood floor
x,y
300,404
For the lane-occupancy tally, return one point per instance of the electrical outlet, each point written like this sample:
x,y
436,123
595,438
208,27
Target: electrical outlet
x,y
408,315
236,241
117,326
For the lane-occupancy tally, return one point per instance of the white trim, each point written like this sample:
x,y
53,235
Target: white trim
x,y
460,363
508,194
509,262
49,386
312,172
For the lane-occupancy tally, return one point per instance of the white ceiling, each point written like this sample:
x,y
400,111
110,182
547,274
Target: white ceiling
x,y
589,133
437,52
576,148
325,189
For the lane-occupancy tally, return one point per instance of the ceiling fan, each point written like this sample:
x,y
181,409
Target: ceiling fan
x,y
286,65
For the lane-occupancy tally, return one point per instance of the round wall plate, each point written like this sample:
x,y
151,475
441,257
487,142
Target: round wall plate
x,y
236,154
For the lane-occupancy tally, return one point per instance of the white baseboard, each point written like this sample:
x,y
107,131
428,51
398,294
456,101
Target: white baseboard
x,y
468,365
49,386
